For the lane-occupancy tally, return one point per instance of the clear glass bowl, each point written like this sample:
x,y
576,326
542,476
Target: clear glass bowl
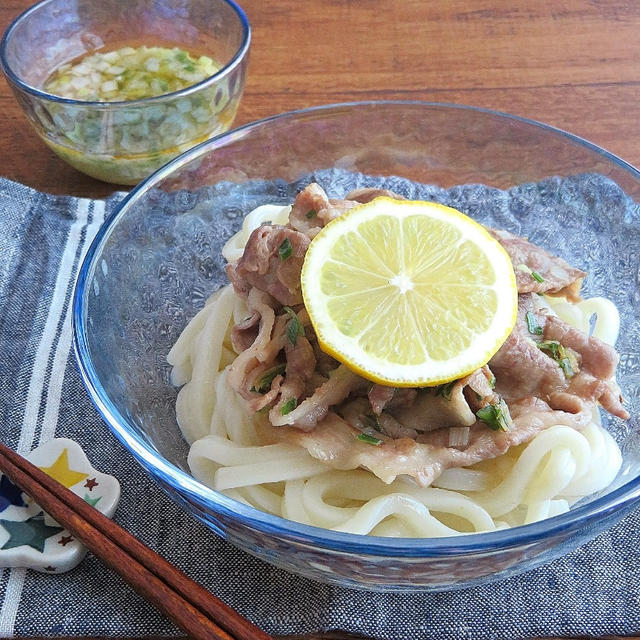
x,y
156,260
123,142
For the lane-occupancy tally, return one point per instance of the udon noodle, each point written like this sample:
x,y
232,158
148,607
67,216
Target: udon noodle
x,y
230,452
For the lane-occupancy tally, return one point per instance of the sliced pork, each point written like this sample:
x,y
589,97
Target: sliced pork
x,y
424,458
545,373
312,209
537,270
272,261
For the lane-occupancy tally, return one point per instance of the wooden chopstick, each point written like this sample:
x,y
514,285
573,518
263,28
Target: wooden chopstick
x,y
196,611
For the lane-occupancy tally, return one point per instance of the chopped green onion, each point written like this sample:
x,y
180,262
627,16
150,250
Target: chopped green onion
x,y
312,213
534,274
567,369
295,328
289,406
495,416
264,384
129,74
532,325
550,346
285,249
492,381
556,351
444,390
365,437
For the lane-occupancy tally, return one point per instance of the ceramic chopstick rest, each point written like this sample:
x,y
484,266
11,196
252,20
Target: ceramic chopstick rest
x,y
31,538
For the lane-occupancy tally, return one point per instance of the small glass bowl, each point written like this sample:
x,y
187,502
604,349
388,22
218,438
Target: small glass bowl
x,y
123,142
157,259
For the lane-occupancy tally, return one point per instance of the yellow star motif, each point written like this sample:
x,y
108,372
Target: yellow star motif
x,y
60,471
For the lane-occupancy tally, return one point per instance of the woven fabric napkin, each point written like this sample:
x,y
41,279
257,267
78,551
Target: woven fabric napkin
x,y
594,590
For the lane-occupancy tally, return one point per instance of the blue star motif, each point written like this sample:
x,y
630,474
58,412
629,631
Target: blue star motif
x,y
10,494
32,532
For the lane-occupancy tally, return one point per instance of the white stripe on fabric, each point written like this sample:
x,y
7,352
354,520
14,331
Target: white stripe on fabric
x,y
36,384
15,583
11,601
61,357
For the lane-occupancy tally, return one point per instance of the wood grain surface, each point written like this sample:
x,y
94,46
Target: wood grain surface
x,y
574,64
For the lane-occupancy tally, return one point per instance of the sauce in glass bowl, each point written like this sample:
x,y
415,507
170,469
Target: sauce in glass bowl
x,y
130,142
129,73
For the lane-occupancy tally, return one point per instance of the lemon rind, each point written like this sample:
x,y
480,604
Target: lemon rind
x,y
381,371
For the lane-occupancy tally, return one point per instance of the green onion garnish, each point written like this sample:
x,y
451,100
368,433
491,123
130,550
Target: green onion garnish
x,y
552,347
289,406
532,325
536,276
492,381
566,367
285,249
556,351
312,213
495,416
365,437
444,390
295,328
264,384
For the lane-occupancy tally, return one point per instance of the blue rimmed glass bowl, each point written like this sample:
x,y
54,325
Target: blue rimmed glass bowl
x,y
155,261
124,142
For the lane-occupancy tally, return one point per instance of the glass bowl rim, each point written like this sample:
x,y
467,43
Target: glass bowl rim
x,y
15,79
192,490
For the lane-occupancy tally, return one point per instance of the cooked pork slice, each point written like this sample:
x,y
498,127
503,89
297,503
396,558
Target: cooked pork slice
x,y
358,413
594,355
262,353
382,397
272,261
525,364
335,442
521,368
312,410
244,334
368,194
436,407
606,392
312,209
554,275
379,397
301,364
479,389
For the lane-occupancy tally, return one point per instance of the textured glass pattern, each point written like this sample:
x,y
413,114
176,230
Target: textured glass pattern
x,y
163,259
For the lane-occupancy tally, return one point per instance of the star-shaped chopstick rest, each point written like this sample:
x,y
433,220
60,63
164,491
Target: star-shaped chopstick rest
x,y
31,538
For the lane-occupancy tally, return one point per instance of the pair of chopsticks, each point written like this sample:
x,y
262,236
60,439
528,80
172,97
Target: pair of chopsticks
x,y
196,611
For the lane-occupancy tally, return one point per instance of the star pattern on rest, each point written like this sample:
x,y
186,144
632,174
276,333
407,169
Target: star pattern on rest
x,y
91,483
10,494
32,532
61,471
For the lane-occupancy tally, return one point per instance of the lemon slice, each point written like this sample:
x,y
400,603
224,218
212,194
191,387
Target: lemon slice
x,y
409,293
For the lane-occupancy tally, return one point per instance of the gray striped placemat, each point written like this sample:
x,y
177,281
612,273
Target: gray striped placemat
x,y
594,590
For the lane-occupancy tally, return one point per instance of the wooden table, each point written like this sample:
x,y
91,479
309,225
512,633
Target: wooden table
x,y
573,64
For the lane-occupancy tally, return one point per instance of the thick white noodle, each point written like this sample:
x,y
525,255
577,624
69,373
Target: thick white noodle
x,y
533,481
